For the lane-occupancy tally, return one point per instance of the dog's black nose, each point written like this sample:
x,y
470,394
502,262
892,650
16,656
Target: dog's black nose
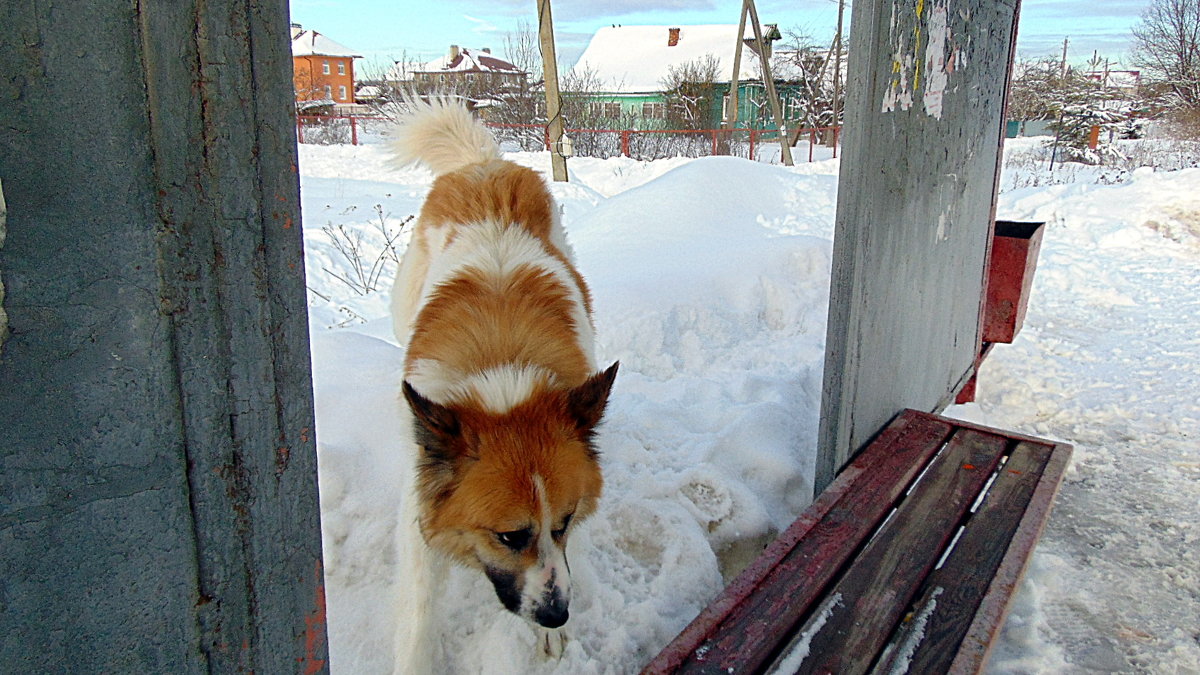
x,y
551,617
552,614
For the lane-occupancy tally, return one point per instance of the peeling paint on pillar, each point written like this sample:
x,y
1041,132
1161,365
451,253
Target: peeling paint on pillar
x,y
916,196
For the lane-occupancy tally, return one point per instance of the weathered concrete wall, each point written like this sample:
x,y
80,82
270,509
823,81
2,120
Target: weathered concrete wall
x,y
158,507
3,234
924,124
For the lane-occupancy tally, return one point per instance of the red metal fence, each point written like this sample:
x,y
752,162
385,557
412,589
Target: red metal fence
x,y
637,143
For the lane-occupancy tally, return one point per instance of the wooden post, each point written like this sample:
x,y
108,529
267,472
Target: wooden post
x,y
731,113
785,150
558,163
159,505
837,69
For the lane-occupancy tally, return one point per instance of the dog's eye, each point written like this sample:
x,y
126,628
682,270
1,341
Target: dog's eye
x,y
558,534
516,540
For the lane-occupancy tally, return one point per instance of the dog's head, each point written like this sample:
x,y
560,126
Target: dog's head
x,y
501,491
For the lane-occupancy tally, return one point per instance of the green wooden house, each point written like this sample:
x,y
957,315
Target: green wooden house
x,y
624,77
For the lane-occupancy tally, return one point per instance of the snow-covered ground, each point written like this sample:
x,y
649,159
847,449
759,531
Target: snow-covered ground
x,y
710,278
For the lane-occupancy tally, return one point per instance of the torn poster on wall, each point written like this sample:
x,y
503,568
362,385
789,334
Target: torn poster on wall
x,y
925,51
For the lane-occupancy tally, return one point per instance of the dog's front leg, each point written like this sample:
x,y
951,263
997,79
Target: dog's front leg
x,y
421,580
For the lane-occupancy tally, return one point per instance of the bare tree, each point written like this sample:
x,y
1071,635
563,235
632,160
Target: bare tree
x,y
523,51
1039,88
806,68
1166,45
692,93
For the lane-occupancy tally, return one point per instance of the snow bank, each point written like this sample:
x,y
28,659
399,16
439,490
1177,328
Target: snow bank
x,y
710,279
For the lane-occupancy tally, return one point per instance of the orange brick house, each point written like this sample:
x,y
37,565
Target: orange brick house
x,y
322,70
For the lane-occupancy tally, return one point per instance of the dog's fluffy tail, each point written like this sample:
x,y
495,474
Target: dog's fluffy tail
x,y
443,135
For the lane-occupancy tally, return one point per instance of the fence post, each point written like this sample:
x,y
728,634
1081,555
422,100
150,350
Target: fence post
x,y
625,142
714,135
299,129
353,131
837,130
812,140
546,137
752,135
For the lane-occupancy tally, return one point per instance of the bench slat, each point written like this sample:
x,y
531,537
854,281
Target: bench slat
x,y
973,652
928,642
739,631
877,588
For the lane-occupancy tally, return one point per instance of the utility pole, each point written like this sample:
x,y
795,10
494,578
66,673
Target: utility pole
x,y
558,162
837,69
731,113
1063,67
785,149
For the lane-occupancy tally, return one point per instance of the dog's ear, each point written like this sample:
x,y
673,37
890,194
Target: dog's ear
x,y
435,418
587,401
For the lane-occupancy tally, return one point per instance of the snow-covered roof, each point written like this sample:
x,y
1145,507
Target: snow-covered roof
x,y
630,59
304,106
468,60
402,71
312,43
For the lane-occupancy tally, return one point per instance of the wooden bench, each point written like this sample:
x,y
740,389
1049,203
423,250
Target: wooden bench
x,y
906,563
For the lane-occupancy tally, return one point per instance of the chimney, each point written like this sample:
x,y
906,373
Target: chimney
x,y
453,53
487,50
672,37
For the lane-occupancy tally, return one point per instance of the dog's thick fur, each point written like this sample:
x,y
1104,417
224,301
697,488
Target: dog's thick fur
x,y
499,373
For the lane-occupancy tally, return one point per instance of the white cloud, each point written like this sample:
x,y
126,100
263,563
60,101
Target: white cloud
x,y
481,25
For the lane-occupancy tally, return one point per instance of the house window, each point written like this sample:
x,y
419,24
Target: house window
x,y
656,111
325,67
605,110
795,108
342,68
342,93
328,91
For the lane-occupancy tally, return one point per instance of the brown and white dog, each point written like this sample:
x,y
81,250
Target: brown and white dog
x,y
499,374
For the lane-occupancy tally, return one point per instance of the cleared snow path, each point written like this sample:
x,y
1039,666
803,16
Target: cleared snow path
x,y
1108,361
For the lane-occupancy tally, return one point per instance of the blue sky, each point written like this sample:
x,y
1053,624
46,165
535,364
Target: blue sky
x,y
382,30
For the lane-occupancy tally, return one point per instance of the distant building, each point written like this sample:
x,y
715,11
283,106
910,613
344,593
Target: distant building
x,y
475,73
630,66
323,70
1124,81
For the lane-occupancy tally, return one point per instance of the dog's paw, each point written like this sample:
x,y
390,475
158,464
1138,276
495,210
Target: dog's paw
x,y
553,642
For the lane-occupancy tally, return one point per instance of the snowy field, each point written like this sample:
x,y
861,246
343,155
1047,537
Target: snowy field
x,y
710,278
